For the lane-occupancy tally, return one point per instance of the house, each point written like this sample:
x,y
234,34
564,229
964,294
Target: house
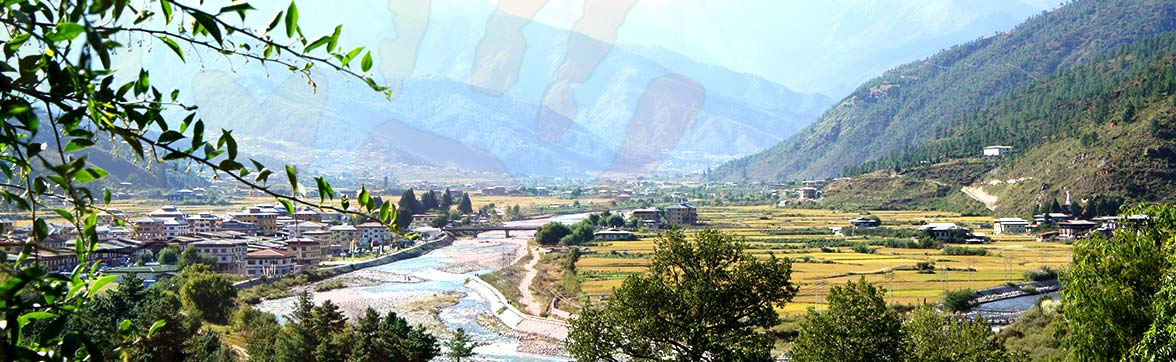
x,y
425,219
306,251
809,193
1074,229
1050,218
149,228
323,237
1009,225
175,227
681,214
203,223
238,226
168,212
229,253
948,232
650,214
268,263
307,214
863,222
296,229
374,233
1048,236
613,234
997,151
264,218
344,235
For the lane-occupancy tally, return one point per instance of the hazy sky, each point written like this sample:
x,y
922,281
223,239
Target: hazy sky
x,y
796,43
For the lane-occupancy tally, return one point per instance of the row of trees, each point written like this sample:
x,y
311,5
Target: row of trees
x,y
410,205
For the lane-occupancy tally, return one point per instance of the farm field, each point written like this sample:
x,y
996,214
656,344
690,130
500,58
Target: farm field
x,y
821,259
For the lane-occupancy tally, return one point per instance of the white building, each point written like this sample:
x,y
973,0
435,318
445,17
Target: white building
x,y
1009,225
996,151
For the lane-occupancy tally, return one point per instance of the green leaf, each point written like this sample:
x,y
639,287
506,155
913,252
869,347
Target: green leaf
x,y
78,144
175,48
385,212
66,31
239,7
324,189
208,23
32,316
106,196
90,174
366,63
65,214
169,137
167,10
155,327
351,56
323,40
289,205
274,23
291,20
292,175
94,288
40,229
335,38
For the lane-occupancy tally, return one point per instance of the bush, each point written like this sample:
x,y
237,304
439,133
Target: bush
x,y
862,248
1042,274
925,267
963,250
551,233
959,300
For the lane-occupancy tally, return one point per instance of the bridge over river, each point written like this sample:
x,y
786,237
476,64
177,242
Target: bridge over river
x,y
482,229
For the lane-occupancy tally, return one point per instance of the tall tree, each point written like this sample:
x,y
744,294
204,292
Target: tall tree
x,y
858,326
446,200
931,336
460,346
1117,288
702,300
404,211
466,206
206,291
409,201
429,201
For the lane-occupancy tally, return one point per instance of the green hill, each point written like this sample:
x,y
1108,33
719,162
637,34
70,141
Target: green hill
x,y
917,102
1092,113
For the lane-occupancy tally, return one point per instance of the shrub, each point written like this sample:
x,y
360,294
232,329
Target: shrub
x,y
1042,274
963,250
862,248
959,300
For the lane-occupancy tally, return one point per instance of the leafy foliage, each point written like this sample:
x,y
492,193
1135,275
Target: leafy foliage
x,y
704,300
858,326
932,336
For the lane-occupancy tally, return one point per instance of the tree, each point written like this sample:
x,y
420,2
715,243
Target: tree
x,y
959,300
191,256
1115,294
446,200
460,346
702,300
63,103
934,337
409,202
440,220
144,258
210,293
616,221
1128,113
858,326
550,233
466,207
429,201
404,209
169,256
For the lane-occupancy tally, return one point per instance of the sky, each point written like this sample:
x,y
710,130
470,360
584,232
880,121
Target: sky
x,y
795,43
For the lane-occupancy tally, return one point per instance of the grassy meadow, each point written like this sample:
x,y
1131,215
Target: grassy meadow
x,y
821,259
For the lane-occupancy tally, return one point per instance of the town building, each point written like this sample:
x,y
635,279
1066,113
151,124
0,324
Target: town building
x,y
650,214
203,223
373,234
1075,229
613,234
307,214
681,214
268,263
997,151
863,222
421,220
264,218
306,251
948,232
1009,225
229,253
237,226
175,227
345,236
809,193
149,228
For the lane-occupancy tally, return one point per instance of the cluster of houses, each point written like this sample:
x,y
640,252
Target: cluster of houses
x,y
263,240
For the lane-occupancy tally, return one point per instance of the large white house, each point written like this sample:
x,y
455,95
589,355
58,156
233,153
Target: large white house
x,y
1009,225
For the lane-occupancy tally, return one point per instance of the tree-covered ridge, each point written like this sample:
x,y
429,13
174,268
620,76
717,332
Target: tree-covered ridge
x,y
913,103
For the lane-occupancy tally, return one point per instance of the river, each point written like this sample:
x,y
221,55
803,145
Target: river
x,y
430,290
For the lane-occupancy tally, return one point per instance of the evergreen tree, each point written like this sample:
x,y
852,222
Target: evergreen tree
x,y
460,346
1129,112
429,201
408,200
404,211
466,207
446,200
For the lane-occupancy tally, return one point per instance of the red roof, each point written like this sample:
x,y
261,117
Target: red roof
x,y
269,254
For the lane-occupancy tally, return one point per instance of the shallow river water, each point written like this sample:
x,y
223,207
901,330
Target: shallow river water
x,y
444,271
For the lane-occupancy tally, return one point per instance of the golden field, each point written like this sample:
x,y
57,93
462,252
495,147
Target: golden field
x,y
1009,256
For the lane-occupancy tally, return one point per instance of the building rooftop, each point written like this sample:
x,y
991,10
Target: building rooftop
x,y
269,254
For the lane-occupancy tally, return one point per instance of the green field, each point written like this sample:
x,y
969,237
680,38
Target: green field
x,y
793,235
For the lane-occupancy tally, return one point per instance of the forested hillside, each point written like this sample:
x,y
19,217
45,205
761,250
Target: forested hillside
x,y
947,105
